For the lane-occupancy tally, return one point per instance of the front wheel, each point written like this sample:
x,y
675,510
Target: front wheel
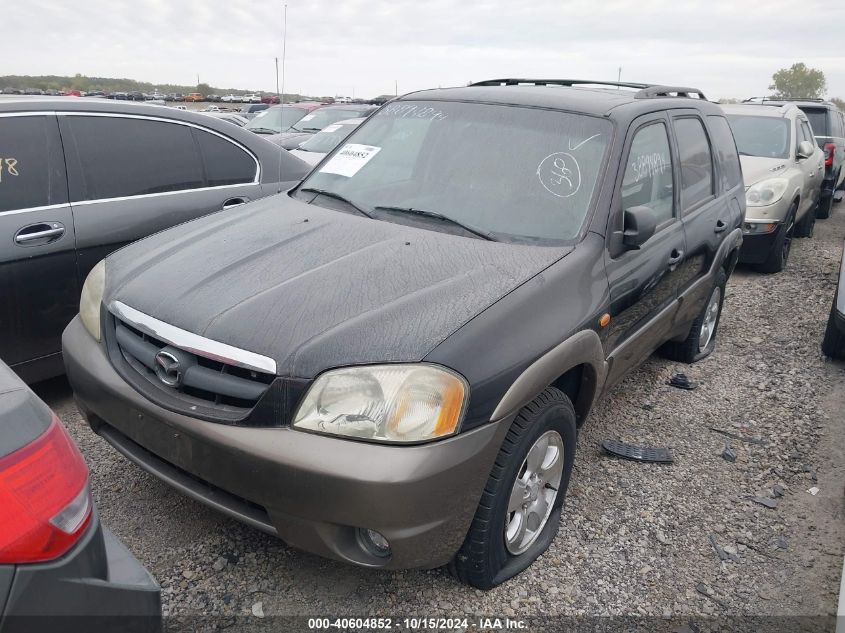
x,y
807,224
519,512
779,254
833,343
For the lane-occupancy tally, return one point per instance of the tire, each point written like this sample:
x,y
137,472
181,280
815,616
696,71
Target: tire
x,y
488,557
805,227
701,341
833,343
825,206
779,255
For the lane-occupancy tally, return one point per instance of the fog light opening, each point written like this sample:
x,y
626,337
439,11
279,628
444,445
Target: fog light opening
x,y
374,542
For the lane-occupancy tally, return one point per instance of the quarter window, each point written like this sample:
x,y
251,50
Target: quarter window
x,y
696,161
225,162
31,163
723,139
130,157
648,179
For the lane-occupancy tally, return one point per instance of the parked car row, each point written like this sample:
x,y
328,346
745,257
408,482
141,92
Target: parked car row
x,y
423,316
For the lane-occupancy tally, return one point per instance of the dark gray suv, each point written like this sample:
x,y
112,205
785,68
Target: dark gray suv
x,y
79,178
388,365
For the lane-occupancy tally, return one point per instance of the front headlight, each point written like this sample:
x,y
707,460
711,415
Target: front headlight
x,y
385,403
766,192
92,297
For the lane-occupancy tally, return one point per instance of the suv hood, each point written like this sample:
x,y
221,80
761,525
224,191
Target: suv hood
x,y
757,168
314,288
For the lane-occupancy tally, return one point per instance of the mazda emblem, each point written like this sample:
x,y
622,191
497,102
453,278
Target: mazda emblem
x,y
168,369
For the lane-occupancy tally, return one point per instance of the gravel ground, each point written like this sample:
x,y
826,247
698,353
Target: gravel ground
x,y
634,539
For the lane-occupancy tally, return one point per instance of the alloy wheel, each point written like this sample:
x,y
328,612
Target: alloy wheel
x,y
533,494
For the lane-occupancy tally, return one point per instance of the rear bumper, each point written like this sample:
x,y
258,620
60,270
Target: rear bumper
x,y
312,491
97,586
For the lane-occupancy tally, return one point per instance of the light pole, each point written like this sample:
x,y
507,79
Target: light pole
x,y
277,78
284,51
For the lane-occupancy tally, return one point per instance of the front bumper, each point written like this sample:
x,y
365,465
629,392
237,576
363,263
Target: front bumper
x,y
312,491
97,586
757,246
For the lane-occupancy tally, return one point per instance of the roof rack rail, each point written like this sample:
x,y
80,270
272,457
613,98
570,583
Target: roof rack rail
x,y
652,92
763,100
645,91
557,82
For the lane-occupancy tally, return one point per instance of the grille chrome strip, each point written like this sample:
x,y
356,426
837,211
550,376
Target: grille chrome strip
x,y
190,342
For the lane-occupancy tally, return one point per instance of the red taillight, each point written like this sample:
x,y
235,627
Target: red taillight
x,y
829,151
45,504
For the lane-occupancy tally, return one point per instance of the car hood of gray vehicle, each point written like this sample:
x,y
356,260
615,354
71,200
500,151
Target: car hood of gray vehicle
x,y
757,168
315,288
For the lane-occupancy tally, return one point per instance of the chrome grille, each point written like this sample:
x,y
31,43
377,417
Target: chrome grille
x,y
194,375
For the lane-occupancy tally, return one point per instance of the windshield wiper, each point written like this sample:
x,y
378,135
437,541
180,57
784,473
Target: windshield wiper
x,y
310,129
263,130
337,196
437,216
741,153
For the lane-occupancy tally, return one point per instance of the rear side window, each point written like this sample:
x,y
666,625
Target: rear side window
x,y
31,163
723,141
648,173
696,161
806,133
225,162
131,157
818,120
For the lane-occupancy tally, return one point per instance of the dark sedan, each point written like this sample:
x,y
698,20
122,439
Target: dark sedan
x,y
79,179
60,568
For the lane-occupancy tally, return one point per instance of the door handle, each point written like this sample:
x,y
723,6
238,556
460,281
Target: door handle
x,y
233,202
720,226
43,231
675,257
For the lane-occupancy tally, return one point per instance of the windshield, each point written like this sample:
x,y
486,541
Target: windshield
x,y
278,119
328,138
760,135
318,119
515,173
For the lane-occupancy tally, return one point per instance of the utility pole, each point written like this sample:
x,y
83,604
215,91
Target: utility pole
x,y
396,87
619,76
277,78
284,51
198,80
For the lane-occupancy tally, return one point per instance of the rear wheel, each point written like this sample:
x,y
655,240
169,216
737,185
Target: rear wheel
x,y
519,512
701,340
825,206
779,255
805,227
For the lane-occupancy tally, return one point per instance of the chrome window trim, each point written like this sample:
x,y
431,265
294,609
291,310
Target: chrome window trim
x,y
81,203
47,207
190,342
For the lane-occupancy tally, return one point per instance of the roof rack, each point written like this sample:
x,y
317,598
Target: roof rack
x,y
557,82
763,100
644,91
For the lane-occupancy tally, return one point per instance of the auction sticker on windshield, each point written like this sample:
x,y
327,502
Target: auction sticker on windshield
x,y
349,160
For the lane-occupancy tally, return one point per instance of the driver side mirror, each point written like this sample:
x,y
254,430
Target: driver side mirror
x,y
639,225
805,150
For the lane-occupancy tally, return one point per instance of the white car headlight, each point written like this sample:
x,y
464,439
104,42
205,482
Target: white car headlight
x,y
92,297
766,192
385,403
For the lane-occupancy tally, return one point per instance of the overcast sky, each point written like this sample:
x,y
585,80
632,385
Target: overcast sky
x,y
334,47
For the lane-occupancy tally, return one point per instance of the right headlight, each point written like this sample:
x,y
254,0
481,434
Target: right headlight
x,y
766,192
385,403
92,297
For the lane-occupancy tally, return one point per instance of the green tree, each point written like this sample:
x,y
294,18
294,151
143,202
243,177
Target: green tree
x,y
840,103
798,82
204,89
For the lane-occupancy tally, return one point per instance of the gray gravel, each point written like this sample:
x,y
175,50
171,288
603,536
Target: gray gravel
x,y
679,540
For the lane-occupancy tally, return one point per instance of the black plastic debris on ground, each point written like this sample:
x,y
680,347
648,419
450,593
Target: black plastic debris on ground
x,y
638,453
720,552
729,454
765,501
681,382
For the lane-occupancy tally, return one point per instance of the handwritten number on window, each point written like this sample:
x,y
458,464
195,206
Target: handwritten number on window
x,y
11,165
